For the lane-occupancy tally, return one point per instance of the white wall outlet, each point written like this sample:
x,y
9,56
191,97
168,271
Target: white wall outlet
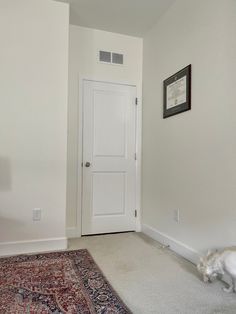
x,y
37,214
176,215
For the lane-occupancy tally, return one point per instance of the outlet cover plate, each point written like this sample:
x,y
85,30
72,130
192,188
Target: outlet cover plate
x,y
176,215
37,214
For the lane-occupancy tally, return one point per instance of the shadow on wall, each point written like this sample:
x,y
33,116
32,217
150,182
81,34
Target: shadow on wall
x,y
5,174
6,224
9,225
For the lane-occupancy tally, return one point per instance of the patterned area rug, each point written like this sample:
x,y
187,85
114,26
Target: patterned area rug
x,y
62,282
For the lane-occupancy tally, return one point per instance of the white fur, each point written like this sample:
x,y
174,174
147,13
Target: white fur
x,y
216,264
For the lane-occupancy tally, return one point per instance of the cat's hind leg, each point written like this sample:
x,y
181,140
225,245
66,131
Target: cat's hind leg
x,y
234,285
231,287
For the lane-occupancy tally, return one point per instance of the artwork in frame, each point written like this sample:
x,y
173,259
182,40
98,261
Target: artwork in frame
x,y
177,93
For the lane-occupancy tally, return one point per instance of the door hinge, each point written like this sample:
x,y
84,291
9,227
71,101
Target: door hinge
x,y
136,101
135,213
135,156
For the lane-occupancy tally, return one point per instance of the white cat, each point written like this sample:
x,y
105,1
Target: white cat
x,y
216,264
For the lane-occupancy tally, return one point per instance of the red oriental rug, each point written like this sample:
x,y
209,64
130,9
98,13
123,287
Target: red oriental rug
x,y
61,282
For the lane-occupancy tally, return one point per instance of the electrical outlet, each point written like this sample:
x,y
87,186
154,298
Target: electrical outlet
x,y
176,215
37,214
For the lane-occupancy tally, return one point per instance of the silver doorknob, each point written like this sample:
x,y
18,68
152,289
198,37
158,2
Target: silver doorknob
x,y
87,164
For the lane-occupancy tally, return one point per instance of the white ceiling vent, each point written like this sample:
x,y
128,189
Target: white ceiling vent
x,y
111,57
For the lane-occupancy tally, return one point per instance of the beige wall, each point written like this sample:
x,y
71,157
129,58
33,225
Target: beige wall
x,y
83,63
189,159
33,121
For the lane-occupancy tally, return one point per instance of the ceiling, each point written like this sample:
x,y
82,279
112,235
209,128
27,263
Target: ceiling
x,y
131,17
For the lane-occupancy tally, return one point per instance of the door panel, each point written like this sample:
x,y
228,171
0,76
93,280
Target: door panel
x,y
112,105
113,186
109,167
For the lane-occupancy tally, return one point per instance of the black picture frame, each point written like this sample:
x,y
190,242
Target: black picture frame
x,y
179,87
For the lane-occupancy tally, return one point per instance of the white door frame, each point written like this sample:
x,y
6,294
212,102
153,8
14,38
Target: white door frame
x,y
80,153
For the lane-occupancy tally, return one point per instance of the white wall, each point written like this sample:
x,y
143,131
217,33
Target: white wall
x,y
189,159
83,63
33,123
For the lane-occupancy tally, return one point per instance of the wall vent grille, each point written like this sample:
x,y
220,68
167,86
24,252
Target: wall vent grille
x,y
111,57
117,58
105,56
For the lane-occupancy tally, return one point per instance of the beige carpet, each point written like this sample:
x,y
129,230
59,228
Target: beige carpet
x,y
151,279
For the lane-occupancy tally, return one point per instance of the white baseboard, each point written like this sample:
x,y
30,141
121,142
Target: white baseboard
x,y
73,232
176,246
34,246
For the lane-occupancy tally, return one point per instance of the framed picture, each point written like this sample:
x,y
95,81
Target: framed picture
x,y
177,93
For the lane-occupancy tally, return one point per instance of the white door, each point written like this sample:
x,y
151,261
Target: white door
x,y
109,166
